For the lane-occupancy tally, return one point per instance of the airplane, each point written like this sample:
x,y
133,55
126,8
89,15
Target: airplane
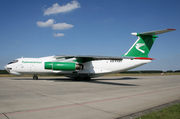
x,y
80,67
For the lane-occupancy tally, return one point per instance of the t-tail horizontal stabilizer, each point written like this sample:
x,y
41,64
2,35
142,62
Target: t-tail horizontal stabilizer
x,y
143,44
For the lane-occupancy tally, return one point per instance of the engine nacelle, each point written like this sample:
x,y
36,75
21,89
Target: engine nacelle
x,y
64,66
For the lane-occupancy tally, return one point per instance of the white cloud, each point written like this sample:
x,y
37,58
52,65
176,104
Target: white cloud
x,y
61,26
51,23
58,34
48,23
60,9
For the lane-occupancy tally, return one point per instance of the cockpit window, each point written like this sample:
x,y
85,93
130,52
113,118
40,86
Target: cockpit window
x,y
13,61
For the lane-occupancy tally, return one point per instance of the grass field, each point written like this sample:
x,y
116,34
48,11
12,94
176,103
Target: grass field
x,y
172,112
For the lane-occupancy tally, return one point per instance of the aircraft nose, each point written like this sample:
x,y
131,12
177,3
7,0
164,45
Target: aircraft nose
x,y
5,67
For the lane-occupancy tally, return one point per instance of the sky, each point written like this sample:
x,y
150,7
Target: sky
x,y
39,28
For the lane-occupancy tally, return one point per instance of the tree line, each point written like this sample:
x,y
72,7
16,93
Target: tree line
x,y
131,72
3,72
151,71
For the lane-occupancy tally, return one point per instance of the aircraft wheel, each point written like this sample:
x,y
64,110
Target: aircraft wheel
x,y
35,77
77,78
87,78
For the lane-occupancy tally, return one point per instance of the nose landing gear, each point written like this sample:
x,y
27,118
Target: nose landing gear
x,y
35,77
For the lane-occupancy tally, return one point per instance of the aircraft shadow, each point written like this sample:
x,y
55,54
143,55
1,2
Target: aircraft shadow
x,y
124,78
111,83
97,81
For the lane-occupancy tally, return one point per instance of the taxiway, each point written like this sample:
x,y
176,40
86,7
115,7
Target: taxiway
x,y
104,97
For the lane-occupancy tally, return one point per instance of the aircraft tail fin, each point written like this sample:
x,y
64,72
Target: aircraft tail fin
x,y
143,44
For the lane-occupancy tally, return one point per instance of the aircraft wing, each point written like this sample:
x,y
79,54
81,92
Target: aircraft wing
x,y
86,58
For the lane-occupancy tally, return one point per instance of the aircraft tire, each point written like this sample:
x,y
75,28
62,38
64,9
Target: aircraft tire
x,y
77,78
87,78
35,77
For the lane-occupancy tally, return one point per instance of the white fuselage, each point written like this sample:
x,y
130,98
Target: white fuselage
x,y
36,66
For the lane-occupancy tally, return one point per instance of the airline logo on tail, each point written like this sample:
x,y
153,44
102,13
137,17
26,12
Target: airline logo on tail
x,y
138,45
143,44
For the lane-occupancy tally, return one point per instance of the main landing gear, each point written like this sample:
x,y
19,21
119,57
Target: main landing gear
x,y
35,77
78,78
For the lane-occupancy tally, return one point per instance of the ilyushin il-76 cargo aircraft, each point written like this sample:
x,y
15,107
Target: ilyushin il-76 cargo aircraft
x,y
86,67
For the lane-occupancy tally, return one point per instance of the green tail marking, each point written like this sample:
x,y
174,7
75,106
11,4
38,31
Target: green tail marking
x,y
142,46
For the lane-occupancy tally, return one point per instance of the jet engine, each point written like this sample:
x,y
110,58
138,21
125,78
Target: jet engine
x,y
64,66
